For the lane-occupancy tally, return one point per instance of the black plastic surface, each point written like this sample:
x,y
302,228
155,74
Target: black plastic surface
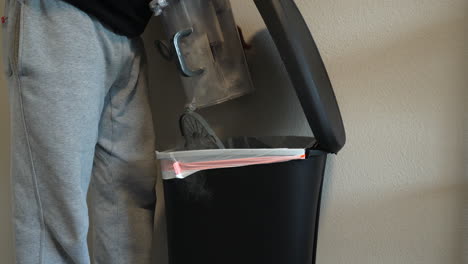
x,y
264,214
306,71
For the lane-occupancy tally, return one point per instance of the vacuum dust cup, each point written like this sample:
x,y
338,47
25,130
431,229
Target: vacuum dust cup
x,y
204,39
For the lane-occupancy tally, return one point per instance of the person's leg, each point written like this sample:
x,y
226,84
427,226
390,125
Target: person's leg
x,y
62,68
122,186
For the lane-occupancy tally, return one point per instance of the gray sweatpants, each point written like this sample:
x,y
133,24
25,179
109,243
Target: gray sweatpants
x,y
80,118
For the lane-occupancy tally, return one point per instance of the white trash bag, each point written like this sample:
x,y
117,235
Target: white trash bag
x,y
181,164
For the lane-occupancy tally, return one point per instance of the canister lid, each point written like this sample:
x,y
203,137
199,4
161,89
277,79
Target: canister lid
x,y
306,71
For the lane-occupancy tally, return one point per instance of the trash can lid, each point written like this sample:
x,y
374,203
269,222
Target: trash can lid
x,y
306,71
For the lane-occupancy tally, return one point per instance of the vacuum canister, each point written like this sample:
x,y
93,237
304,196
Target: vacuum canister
x,y
204,40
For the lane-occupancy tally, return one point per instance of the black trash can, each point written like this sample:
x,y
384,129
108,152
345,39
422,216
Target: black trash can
x,y
262,214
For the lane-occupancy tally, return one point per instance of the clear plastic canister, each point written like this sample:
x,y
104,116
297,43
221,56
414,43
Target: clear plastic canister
x,y
206,42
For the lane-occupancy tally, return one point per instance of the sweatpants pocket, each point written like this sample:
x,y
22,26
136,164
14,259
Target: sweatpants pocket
x,y
11,24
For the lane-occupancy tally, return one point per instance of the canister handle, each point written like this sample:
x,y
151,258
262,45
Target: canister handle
x,y
184,68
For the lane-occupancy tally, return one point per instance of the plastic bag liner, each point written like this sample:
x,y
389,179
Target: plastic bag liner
x,y
241,151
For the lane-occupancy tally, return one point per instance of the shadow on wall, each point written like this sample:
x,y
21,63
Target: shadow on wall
x,y
272,110
167,98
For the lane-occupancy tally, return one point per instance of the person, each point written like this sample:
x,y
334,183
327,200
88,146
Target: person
x,y
80,119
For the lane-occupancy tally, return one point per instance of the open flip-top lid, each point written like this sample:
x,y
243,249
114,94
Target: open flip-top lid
x,y
306,71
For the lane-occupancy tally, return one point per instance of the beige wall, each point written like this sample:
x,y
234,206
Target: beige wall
x,y
395,192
